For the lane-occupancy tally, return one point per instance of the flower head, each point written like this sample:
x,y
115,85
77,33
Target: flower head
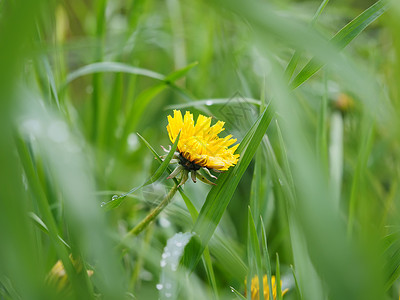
x,y
199,145
255,288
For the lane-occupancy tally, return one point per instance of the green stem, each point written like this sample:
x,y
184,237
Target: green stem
x,y
153,214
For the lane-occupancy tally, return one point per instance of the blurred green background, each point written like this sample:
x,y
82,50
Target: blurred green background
x,y
79,79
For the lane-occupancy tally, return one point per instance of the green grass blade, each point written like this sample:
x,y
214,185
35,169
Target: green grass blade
x,y
254,253
296,283
43,227
239,295
266,257
180,73
343,38
219,196
292,65
111,67
278,279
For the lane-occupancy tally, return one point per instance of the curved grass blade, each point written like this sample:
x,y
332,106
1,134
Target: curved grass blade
x,y
43,227
297,54
117,200
113,67
219,196
343,38
180,73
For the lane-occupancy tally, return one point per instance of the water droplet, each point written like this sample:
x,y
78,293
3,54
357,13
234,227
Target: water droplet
x,y
165,255
280,182
115,197
159,286
102,204
168,295
179,244
209,102
163,263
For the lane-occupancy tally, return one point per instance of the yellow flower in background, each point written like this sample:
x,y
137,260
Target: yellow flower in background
x,y
58,278
255,288
199,145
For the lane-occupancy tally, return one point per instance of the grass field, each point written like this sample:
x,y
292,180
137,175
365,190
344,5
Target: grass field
x,y
311,91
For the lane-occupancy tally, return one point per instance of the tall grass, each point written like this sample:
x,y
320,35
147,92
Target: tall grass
x,y
309,88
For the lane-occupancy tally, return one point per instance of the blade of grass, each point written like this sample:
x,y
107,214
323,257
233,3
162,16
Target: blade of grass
x,y
267,258
254,253
109,66
239,295
219,196
278,279
296,282
45,211
292,65
43,227
343,38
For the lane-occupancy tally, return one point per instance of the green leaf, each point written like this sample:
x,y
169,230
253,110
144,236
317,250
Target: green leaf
x,y
180,73
219,196
239,295
42,226
117,200
392,255
296,282
254,254
267,258
343,38
114,67
278,279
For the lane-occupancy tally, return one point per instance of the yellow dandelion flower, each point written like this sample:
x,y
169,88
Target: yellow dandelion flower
x,y
57,276
255,288
200,146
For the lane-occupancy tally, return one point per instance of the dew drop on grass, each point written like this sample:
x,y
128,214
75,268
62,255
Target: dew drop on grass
x,y
163,263
168,295
102,204
159,286
115,197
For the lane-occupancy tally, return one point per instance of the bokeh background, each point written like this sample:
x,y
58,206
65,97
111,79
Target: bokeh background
x,y
80,79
